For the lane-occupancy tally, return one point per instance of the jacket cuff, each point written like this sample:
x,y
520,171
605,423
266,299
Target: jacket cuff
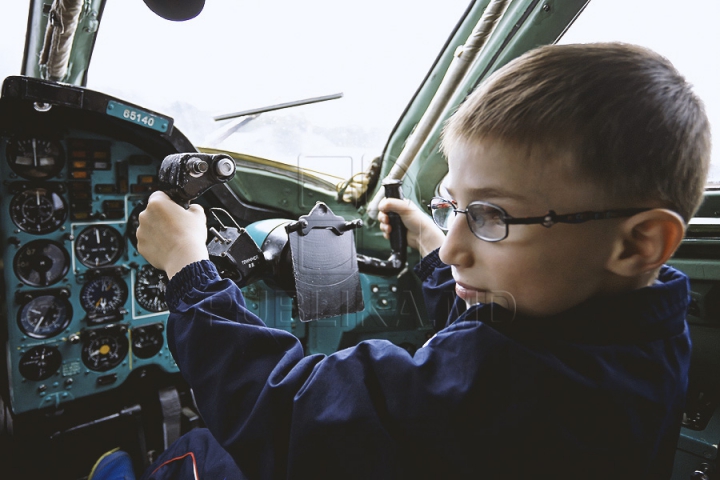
x,y
193,276
428,264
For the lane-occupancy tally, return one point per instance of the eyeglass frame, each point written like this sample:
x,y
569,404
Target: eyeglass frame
x,y
547,220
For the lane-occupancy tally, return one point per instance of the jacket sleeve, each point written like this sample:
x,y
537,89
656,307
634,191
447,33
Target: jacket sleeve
x,y
272,408
442,304
240,370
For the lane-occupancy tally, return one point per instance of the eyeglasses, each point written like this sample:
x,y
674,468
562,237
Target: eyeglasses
x,y
490,223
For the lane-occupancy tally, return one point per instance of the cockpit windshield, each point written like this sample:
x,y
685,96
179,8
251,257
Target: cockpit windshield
x,y
237,56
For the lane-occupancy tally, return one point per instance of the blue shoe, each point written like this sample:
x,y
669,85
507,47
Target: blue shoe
x,y
113,465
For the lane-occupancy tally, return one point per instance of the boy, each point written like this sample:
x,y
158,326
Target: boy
x,y
583,376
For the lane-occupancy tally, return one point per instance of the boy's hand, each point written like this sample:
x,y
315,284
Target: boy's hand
x,y
422,234
170,237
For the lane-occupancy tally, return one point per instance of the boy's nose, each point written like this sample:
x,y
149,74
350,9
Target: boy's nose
x,y
457,247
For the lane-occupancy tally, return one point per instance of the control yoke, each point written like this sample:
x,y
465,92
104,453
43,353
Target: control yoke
x,y
186,176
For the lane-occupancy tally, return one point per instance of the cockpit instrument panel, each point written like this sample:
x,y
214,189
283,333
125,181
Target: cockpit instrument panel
x,y
83,309
85,313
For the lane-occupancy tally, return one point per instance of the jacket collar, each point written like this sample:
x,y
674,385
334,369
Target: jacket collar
x,y
646,314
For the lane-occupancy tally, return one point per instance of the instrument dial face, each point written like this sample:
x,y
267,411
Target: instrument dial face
x,y
104,351
44,316
103,295
147,340
98,246
40,362
35,158
38,210
41,263
150,286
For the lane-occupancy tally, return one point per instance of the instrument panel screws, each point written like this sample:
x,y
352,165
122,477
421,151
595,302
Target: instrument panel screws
x,y
546,7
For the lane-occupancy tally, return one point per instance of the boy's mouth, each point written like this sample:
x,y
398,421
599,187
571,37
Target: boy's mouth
x,y
472,296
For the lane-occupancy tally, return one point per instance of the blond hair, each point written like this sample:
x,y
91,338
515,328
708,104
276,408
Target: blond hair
x,y
629,119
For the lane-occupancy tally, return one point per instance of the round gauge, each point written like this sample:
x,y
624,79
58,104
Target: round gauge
x,y
150,286
38,210
40,362
44,316
147,340
35,158
103,295
98,246
41,263
133,222
104,351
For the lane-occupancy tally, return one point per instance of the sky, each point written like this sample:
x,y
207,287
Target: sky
x,y
684,32
241,54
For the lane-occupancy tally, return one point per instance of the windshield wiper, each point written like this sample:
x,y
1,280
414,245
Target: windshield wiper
x,y
246,116
279,106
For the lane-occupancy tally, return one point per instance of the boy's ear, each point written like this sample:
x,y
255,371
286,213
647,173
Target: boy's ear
x,y
645,242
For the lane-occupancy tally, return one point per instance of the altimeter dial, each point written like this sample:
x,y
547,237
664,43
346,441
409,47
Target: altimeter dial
x,y
98,245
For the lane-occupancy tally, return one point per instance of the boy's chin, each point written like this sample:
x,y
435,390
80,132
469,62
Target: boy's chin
x,y
472,303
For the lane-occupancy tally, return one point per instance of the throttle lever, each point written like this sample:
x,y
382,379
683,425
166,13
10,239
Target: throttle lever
x,y
398,230
398,240
186,176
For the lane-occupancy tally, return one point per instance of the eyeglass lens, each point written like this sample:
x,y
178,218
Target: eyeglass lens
x,y
485,220
443,213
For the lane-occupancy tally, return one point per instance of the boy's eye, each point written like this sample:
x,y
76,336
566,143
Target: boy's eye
x,y
488,212
496,217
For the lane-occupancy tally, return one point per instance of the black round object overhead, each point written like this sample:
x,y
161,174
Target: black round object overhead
x,y
176,10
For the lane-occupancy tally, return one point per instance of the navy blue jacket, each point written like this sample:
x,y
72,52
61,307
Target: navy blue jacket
x,y
594,392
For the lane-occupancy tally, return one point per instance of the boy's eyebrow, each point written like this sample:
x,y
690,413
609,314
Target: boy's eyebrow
x,y
491,192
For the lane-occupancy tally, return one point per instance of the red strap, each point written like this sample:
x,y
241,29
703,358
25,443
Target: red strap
x,y
180,458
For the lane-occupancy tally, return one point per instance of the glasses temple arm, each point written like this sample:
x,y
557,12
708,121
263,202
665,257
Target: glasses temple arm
x,y
551,218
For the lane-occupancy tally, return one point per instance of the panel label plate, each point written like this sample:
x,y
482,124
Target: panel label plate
x,y
137,116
